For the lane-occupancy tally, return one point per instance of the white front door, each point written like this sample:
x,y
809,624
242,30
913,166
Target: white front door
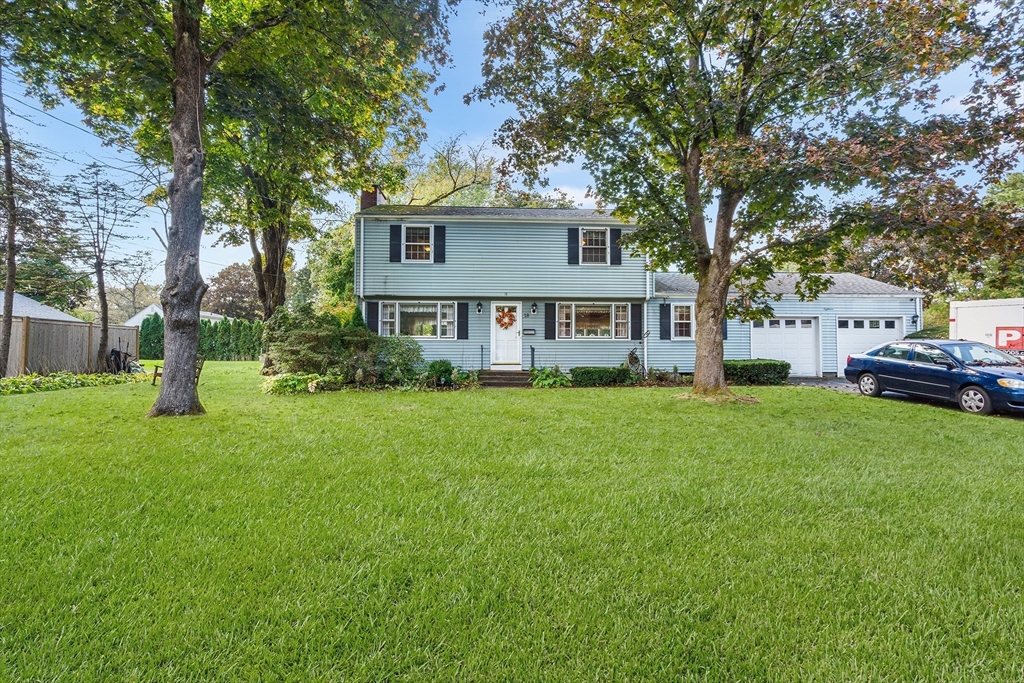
x,y
789,339
506,340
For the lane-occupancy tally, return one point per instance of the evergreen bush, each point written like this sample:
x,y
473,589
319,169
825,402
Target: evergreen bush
x,y
756,371
600,377
151,338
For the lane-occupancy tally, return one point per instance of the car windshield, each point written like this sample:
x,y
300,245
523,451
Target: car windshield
x,y
979,354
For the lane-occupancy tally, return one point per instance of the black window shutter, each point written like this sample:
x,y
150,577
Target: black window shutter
x,y
462,320
665,313
396,244
549,321
373,316
438,244
636,321
725,328
616,235
574,246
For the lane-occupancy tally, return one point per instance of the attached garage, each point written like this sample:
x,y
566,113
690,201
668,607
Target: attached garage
x,y
860,333
796,340
815,336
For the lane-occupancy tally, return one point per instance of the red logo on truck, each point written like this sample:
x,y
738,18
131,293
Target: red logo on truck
x,y
1010,338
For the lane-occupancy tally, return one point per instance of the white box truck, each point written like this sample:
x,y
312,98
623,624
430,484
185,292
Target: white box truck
x,y
997,322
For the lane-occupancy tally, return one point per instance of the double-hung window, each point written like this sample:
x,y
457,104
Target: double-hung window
x,y
682,321
593,321
424,320
417,244
594,245
387,319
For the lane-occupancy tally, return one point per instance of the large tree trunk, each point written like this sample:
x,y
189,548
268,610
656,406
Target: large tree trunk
x,y
712,292
101,296
8,321
184,287
268,267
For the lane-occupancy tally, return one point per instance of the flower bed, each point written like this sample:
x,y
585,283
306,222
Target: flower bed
x,y
30,384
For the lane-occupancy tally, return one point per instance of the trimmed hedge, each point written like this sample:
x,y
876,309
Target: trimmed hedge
x,y
600,377
756,371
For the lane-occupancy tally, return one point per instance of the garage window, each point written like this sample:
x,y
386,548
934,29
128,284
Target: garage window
x,y
858,324
875,324
844,324
890,324
758,324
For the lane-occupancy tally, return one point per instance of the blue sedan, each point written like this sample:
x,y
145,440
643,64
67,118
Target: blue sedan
x,y
979,378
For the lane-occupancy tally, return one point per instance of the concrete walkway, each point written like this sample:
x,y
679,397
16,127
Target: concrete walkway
x,y
834,383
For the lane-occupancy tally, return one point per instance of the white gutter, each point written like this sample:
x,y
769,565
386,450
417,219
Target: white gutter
x,y
362,262
647,297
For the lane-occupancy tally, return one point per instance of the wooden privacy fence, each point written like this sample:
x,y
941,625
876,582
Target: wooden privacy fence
x,y
44,346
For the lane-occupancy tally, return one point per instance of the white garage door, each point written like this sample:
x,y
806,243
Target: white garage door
x,y
790,339
857,335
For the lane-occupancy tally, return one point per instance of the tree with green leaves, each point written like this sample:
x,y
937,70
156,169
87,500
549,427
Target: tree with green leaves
x,y
38,246
794,124
141,73
299,126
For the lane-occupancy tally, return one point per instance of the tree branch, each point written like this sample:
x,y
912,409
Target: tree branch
x,y
238,35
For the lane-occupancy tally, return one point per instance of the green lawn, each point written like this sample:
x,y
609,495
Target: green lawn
x,y
616,534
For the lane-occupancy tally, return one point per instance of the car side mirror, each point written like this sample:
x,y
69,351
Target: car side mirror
x,y
948,364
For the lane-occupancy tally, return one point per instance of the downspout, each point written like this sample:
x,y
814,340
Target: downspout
x,y
362,261
920,314
647,299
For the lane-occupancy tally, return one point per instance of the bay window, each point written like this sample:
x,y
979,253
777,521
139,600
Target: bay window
x,y
424,320
593,321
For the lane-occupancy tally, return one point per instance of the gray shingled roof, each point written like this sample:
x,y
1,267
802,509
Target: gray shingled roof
x,y
25,307
486,212
785,283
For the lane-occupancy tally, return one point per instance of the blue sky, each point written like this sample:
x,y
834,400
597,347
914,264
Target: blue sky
x,y
74,148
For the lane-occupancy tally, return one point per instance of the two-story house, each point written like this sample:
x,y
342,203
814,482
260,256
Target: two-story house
x,y
507,289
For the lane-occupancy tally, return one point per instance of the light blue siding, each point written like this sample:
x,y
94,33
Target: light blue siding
x,y
663,354
566,353
494,261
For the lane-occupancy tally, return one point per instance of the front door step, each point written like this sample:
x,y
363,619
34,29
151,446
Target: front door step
x,y
504,379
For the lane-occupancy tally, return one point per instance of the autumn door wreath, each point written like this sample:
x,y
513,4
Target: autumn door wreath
x,y
506,318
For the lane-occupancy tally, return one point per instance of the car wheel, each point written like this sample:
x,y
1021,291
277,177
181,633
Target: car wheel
x,y
868,384
975,400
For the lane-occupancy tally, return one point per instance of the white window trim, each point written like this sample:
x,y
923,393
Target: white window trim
x,y
607,247
693,322
429,260
572,320
398,318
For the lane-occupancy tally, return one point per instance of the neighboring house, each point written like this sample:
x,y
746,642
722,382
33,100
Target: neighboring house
x,y
136,320
507,289
30,308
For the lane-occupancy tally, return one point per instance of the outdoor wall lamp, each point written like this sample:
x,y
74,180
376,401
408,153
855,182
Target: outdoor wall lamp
x,y
533,308
479,307
914,318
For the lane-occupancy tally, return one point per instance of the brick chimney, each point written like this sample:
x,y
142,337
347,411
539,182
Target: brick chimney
x,y
370,198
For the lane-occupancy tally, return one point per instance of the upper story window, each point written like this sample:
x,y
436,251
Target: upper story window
x,y
593,321
594,245
417,244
